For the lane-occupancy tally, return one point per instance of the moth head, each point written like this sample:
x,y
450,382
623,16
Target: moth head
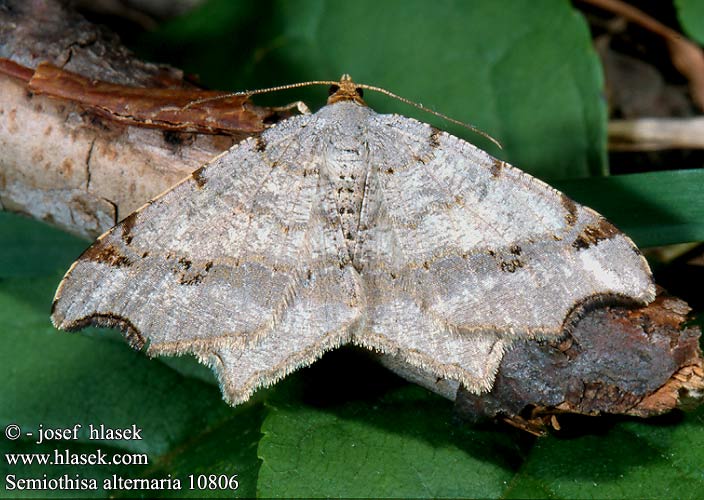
x,y
346,90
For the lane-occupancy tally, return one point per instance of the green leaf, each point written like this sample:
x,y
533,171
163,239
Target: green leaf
x,y
59,379
635,459
404,445
654,208
523,71
32,248
691,16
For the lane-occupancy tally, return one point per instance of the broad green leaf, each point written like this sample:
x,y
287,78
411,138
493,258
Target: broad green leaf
x,y
225,449
31,248
654,208
404,445
523,71
62,379
691,16
635,459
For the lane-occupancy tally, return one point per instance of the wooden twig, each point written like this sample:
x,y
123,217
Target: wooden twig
x,y
652,134
686,55
63,162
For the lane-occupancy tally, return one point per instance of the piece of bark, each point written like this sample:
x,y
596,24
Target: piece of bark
x,y
69,167
176,109
35,31
640,362
64,163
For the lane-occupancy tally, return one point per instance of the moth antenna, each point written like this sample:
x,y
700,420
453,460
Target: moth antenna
x,y
468,126
249,93
289,86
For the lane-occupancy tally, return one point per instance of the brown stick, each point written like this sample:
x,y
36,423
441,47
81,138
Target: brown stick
x,y
69,165
639,362
686,55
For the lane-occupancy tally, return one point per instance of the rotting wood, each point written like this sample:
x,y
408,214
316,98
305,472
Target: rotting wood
x,y
641,362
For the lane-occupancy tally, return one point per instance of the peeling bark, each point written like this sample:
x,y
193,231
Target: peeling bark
x,y
175,109
35,31
64,163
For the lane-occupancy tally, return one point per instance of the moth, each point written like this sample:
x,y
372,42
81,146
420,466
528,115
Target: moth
x,y
350,227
